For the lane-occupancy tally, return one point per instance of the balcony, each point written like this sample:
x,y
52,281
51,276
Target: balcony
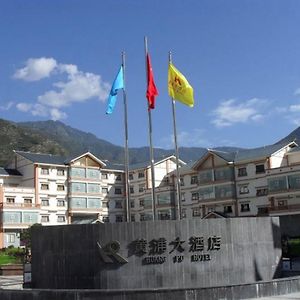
x,y
19,190
289,208
19,205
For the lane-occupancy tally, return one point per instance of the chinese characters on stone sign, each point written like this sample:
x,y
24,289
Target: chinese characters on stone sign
x,y
156,251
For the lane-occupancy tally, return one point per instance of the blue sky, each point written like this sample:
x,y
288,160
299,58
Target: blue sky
x,y
58,60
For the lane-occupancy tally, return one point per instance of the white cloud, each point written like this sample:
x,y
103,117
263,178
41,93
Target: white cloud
x,y
294,108
193,138
39,110
79,87
57,114
230,112
24,107
7,106
36,69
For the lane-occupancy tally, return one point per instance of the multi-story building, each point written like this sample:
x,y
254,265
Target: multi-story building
x,y
141,208
51,190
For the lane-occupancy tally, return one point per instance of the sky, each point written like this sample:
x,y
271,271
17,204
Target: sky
x,y
59,58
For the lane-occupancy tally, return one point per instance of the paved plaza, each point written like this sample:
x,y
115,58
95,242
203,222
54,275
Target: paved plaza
x,y
11,282
15,283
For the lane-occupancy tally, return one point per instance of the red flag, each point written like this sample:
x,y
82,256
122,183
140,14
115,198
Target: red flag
x,y
152,91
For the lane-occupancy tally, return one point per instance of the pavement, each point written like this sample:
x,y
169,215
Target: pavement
x,y
11,282
292,296
16,283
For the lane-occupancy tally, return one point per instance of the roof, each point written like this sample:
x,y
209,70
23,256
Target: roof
x,y
260,152
114,166
294,150
145,165
54,159
71,159
214,214
9,172
228,156
43,158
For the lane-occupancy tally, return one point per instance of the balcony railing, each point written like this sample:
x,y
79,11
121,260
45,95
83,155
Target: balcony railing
x,y
19,205
288,207
18,190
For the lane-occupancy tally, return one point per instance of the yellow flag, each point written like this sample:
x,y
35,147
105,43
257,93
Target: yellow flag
x,y
179,88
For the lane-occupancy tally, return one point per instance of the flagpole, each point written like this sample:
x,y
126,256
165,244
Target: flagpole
x,y
127,190
178,189
150,141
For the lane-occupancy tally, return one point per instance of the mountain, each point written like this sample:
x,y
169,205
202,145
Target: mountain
x,y
77,142
293,136
57,138
14,137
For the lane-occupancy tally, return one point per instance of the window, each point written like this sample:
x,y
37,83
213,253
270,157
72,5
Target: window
x,y
282,203
182,197
131,190
194,179
118,177
164,215
142,202
45,202
261,192
141,175
130,176
104,176
195,196
245,207
45,219
181,181
119,218
132,217
60,202
104,190
141,188
45,171
44,186
10,200
132,204
60,187
196,212
118,191
262,210
105,204
242,171
183,213
27,201
118,204
227,209
243,189
260,169
105,219
61,219
60,172
11,237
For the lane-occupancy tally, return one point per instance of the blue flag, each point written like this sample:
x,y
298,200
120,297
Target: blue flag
x,y
117,85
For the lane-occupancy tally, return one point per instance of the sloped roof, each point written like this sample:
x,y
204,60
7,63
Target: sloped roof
x,y
43,158
114,166
294,150
228,156
214,214
9,172
145,165
243,155
73,158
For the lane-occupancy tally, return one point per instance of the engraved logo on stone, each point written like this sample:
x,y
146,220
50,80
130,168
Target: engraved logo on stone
x,y
110,253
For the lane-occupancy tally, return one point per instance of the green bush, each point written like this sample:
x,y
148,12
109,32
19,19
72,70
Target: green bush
x,y
11,255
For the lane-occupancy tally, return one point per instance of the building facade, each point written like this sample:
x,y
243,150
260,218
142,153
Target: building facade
x,y
52,190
